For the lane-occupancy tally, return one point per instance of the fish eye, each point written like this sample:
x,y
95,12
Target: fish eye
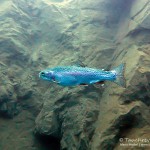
x,y
42,73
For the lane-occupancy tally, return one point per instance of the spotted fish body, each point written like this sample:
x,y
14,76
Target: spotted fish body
x,y
73,75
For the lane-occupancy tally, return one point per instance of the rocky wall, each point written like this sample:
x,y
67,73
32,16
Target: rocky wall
x,y
124,112
102,34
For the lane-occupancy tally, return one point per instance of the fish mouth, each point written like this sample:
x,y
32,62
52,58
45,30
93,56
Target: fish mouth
x,y
40,75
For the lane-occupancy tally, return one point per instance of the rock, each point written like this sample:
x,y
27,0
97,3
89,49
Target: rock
x,y
75,134
47,123
55,119
8,106
135,18
18,132
140,14
126,106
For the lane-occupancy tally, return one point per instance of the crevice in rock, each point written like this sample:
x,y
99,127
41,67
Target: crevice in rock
x,y
47,142
120,128
139,31
138,91
146,4
133,119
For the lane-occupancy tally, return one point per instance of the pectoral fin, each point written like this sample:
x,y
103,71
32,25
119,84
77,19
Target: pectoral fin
x,y
66,80
94,81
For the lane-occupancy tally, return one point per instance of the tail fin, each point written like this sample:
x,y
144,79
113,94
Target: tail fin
x,y
120,80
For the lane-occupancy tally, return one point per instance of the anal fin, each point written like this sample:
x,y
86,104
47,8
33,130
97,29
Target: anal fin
x,y
84,84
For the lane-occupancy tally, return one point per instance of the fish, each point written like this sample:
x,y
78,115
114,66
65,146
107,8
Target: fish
x,y
78,75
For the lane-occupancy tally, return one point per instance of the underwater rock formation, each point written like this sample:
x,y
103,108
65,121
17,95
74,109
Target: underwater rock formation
x,y
36,34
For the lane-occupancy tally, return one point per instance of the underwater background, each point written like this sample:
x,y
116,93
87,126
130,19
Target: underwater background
x,y
40,34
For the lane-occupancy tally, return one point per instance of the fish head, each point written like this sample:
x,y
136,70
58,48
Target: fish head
x,y
47,75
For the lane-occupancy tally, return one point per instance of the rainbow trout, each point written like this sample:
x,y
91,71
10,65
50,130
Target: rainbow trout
x,y
74,75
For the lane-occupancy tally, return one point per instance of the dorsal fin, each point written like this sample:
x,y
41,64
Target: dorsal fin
x,y
107,68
